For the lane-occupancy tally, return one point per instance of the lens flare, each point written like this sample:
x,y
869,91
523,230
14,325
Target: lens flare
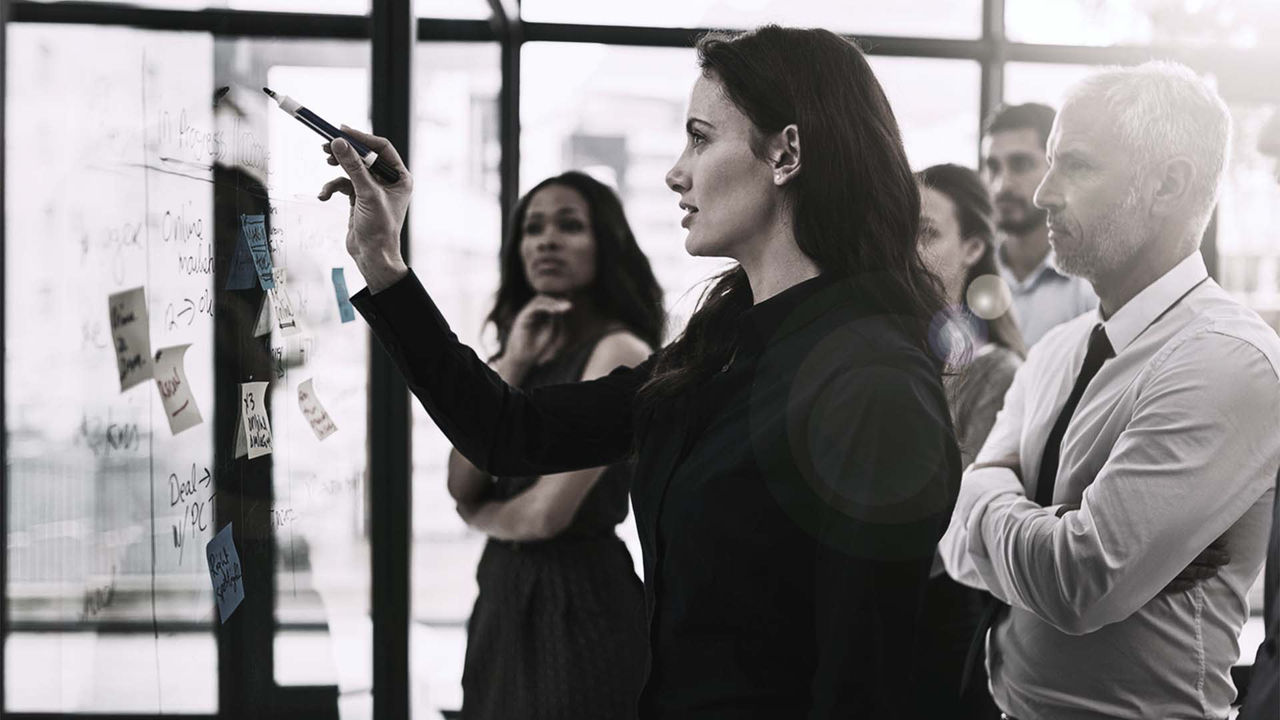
x,y
989,297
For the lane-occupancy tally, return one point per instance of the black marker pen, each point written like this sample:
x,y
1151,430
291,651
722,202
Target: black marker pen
x,y
379,167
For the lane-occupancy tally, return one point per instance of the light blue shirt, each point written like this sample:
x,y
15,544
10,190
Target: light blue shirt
x,y
1045,298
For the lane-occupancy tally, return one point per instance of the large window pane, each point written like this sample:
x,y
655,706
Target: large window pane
x,y
318,514
97,535
336,7
936,103
1248,218
931,18
111,602
1243,24
617,113
1040,82
1248,247
447,9
455,228
452,9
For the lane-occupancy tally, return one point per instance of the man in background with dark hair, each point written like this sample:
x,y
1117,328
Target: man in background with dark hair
x,y
1013,164
1262,702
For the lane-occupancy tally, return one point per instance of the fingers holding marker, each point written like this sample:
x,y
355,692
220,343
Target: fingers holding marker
x,y
380,145
329,158
340,185
354,166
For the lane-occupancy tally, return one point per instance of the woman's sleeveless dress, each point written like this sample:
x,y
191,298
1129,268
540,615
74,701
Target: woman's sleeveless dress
x,y
558,628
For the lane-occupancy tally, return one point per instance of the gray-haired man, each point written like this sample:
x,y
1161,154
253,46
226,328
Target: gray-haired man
x,y
1132,438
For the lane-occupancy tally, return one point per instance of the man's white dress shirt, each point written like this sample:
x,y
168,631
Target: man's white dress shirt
x,y
1174,444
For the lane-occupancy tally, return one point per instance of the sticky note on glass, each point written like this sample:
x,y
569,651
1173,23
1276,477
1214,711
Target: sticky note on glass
x,y
131,332
280,304
321,424
345,309
253,436
254,230
224,571
175,392
242,273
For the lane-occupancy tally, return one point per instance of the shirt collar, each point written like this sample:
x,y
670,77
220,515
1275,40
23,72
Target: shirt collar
x,y
760,322
1045,270
1136,315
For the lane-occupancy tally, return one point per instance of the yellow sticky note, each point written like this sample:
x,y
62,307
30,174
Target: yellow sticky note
x,y
321,424
253,438
175,392
131,333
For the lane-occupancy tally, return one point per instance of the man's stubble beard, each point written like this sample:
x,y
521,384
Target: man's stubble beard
x,y
1116,242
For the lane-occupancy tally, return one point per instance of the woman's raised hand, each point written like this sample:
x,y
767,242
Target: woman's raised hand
x,y
377,209
537,333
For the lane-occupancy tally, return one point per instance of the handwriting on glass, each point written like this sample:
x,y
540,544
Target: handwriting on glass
x,y
104,437
186,492
188,309
99,598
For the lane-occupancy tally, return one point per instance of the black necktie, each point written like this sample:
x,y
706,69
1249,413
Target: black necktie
x,y
1098,352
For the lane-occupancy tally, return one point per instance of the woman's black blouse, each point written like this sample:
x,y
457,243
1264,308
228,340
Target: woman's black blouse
x,y
788,509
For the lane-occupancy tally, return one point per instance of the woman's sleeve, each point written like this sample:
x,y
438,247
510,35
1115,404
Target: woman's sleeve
x,y
500,429
976,413
889,464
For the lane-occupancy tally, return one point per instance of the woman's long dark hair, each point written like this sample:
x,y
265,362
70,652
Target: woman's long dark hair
x,y
855,204
973,210
624,289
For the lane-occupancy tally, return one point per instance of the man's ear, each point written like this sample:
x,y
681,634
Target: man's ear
x,y
784,153
1172,179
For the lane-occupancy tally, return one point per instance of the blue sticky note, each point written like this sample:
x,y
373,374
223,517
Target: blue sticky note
x,y
345,309
254,230
242,273
224,571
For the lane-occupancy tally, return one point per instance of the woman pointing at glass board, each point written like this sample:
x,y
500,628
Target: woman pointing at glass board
x,y
795,464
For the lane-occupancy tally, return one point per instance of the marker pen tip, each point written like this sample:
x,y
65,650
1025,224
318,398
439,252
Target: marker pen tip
x,y
267,90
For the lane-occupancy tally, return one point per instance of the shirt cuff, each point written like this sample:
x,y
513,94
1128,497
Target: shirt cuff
x,y
977,490
407,322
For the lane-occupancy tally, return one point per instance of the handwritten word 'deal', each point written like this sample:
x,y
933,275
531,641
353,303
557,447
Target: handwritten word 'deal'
x,y
131,333
253,437
321,424
185,492
175,392
225,572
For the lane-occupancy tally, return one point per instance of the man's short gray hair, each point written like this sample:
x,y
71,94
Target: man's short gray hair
x,y
1163,110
